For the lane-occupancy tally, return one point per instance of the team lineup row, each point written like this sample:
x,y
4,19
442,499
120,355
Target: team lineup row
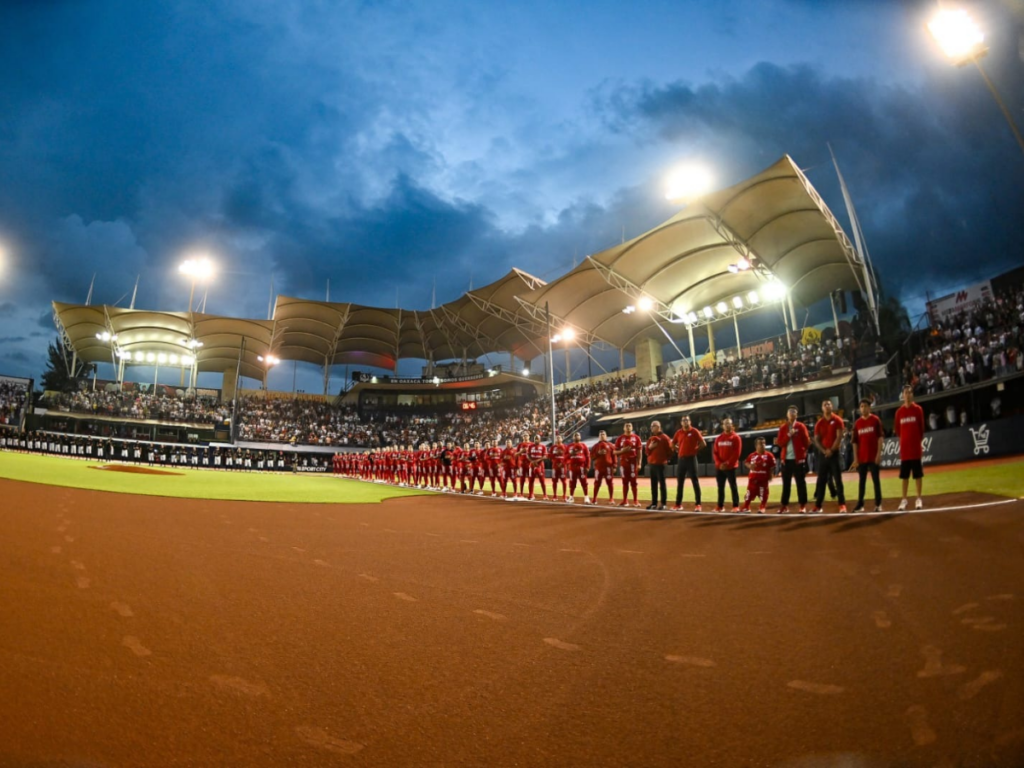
x,y
514,471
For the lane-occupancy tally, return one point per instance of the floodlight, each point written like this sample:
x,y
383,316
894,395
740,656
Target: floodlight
x,y
161,358
645,303
373,379
691,318
733,268
753,298
526,371
774,291
556,338
126,355
709,312
959,37
629,310
187,359
174,359
687,183
437,380
150,357
722,307
198,268
737,302
743,264
568,334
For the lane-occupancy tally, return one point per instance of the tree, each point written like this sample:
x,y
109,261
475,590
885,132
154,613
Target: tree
x,y
894,323
58,377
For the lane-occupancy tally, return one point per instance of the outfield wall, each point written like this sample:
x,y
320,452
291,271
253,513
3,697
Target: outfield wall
x,y
1001,437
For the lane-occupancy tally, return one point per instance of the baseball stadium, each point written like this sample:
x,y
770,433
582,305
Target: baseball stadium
x,y
484,566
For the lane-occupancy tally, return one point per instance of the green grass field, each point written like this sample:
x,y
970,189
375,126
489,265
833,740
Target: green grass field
x,y
195,483
999,479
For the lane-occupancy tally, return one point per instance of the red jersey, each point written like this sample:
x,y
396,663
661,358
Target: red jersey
x,y
827,430
688,441
492,456
523,450
579,455
867,435
659,449
726,450
508,457
536,453
632,445
604,455
558,453
909,428
762,465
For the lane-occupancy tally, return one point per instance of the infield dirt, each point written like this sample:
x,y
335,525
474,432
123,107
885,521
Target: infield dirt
x,y
148,631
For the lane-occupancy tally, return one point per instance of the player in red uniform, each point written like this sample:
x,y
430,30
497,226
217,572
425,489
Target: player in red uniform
x,y
476,468
761,465
688,442
434,467
523,470
536,454
868,437
659,451
509,467
604,466
828,434
726,455
578,463
559,453
492,466
450,457
627,448
909,429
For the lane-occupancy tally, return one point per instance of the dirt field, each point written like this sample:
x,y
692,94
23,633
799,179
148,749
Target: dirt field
x,y
446,631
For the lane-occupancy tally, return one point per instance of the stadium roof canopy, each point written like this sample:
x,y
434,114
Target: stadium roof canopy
x,y
774,223
678,275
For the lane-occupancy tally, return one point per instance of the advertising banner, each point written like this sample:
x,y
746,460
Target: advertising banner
x,y
954,303
992,438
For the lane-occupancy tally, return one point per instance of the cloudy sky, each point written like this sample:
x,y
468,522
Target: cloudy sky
x,y
381,144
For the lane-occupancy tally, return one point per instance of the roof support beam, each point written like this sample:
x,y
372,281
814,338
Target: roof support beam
x,y
526,326
333,350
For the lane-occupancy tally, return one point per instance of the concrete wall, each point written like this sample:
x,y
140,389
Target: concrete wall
x,y
648,359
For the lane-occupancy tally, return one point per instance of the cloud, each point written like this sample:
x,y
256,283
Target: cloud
x,y
6,309
11,339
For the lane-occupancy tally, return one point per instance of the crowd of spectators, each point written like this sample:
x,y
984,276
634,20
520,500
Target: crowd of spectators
x,y
13,394
982,343
731,376
142,406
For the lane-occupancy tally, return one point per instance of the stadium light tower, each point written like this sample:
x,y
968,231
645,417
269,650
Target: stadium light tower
x,y
688,183
196,269
963,42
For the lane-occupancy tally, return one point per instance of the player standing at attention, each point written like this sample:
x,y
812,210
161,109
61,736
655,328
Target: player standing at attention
x,y
559,453
726,455
536,454
828,434
868,437
688,442
509,468
761,465
478,461
492,466
793,440
579,463
523,470
604,466
628,448
909,429
659,449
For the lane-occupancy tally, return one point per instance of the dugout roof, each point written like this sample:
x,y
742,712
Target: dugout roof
x,y
775,219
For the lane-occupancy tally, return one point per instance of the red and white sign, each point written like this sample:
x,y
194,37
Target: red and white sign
x,y
964,299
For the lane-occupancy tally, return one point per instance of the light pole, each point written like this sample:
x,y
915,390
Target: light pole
x,y
269,361
196,269
962,41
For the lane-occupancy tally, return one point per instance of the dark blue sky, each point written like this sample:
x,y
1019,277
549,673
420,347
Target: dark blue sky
x,y
378,144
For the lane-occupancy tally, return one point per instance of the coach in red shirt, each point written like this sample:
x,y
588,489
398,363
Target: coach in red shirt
x,y
688,441
659,450
909,428
828,434
868,436
793,440
726,453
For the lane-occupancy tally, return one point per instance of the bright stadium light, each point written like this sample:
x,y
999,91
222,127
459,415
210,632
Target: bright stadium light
x,y
161,358
556,338
753,298
437,381
269,360
691,318
957,34
709,312
774,291
198,268
737,302
645,303
688,183
722,307
526,372
629,310
150,357
174,359
127,356
568,334
187,359
743,265
733,268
